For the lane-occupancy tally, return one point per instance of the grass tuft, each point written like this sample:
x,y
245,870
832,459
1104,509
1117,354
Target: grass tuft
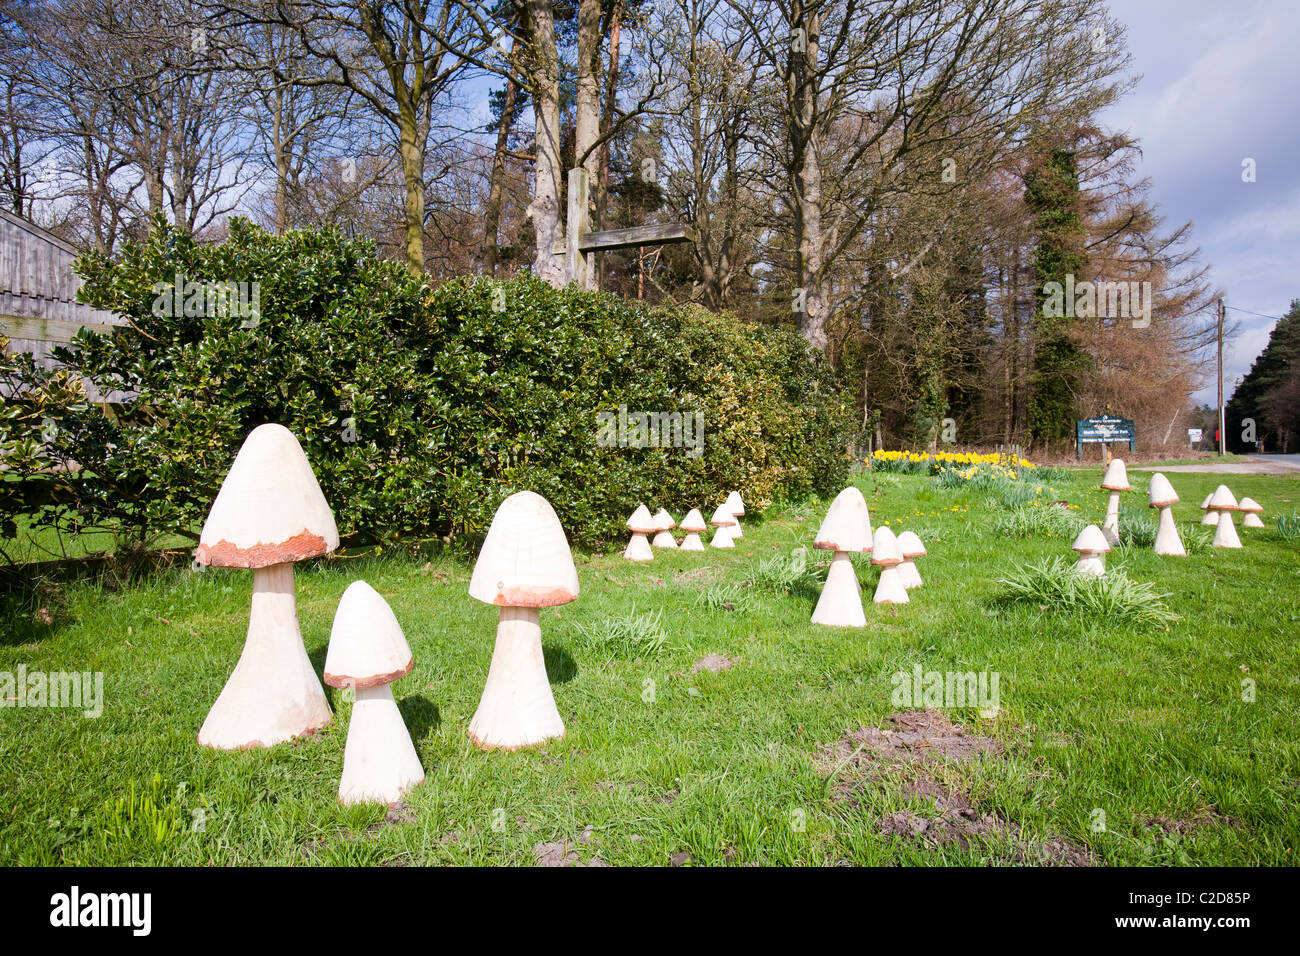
x,y
629,635
1112,597
1038,521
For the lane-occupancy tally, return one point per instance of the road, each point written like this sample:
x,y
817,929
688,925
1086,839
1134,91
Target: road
x,y
1258,465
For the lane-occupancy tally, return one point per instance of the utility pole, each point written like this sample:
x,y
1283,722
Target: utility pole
x,y
1222,423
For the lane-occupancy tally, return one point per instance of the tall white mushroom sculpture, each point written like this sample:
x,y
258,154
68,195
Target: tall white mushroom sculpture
x,y
1114,481
725,522
888,556
1224,502
268,514
1211,516
640,524
525,565
1162,495
736,506
846,530
1090,545
909,543
1251,509
693,524
367,653
664,524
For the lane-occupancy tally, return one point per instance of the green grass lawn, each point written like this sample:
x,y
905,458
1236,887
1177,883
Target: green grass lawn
x,y
1147,725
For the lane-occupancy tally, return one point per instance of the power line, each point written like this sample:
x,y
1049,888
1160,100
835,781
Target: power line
x,y
1248,312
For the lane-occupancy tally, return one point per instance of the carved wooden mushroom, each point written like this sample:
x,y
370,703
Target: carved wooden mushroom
x,y
640,524
525,565
725,522
1090,545
846,530
888,556
1224,502
367,653
693,524
1211,516
737,508
1162,495
911,547
1114,481
1250,516
664,524
268,514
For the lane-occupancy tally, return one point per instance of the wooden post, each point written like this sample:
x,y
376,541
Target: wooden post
x,y
1223,438
577,264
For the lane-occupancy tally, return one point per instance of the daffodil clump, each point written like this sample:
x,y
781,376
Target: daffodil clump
x,y
952,468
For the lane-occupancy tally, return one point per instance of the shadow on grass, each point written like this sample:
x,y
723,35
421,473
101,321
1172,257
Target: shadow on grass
x,y
420,714
560,665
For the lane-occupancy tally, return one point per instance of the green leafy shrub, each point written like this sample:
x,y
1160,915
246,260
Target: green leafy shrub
x,y
420,409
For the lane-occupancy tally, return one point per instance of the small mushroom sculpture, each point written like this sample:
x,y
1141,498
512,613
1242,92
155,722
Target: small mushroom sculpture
x,y
1091,545
1114,481
664,524
1224,502
737,508
1211,516
725,522
909,543
1251,509
640,524
367,653
1162,495
888,556
525,565
846,530
269,513
693,524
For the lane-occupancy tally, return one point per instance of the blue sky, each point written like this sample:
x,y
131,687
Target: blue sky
x,y
1220,83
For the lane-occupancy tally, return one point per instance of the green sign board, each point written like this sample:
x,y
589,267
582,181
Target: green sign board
x,y
1103,431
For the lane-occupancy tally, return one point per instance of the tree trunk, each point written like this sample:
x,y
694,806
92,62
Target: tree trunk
x,y
492,214
804,140
544,210
412,151
587,101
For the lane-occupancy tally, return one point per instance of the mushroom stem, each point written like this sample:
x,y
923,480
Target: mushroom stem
x,y
736,533
890,589
1090,563
910,575
722,537
664,539
1225,533
638,549
1211,517
517,708
1252,520
273,694
379,761
1110,527
840,604
1167,539
692,542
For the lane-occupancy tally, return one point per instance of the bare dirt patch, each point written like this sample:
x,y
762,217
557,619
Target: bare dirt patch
x,y
561,853
714,663
1180,826
912,756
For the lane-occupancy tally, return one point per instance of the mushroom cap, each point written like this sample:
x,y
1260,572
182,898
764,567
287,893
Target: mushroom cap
x,y
1223,500
884,548
367,647
847,525
641,521
1091,540
1161,493
722,517
270,509
1205,505
663,520
693,522
734,503
1116,478
525,561
1249,504
910,544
